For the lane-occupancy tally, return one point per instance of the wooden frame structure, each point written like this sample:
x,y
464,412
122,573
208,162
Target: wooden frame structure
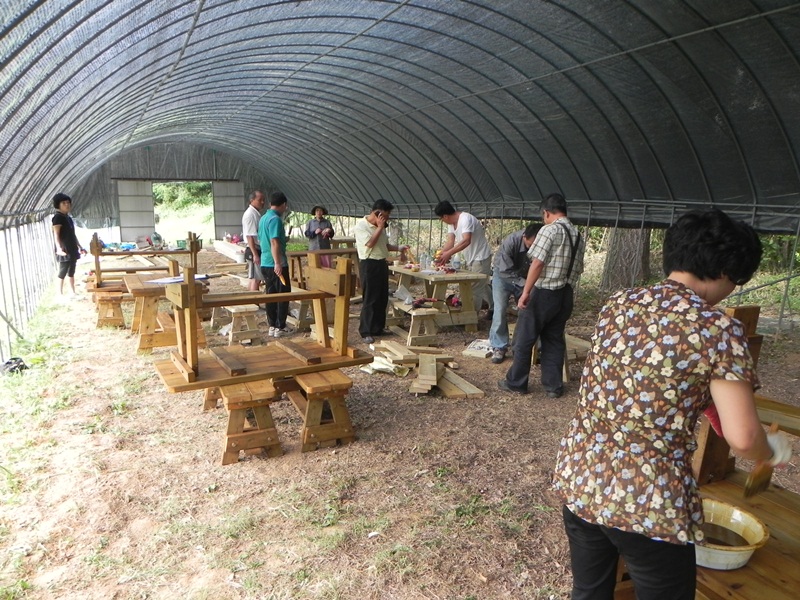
x,y
187,369
116,273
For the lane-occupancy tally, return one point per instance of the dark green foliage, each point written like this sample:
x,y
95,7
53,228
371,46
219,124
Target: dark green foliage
x,y
181,195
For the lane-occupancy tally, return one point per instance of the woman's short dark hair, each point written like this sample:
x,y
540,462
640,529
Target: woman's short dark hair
x,y
709,244
444,208
59,198
383,205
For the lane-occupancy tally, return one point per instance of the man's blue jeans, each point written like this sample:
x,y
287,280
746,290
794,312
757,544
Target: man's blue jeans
x,y
501,290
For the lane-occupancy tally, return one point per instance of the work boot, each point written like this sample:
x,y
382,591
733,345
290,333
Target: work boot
x,y
498,355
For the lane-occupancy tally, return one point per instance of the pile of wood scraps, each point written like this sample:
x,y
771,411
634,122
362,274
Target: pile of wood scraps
x,y
434,369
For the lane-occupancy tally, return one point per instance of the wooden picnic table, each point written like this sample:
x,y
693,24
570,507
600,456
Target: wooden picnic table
x,y
436,283
97,251
342,242
153,332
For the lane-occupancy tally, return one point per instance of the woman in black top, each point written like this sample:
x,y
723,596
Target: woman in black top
x,y
68,249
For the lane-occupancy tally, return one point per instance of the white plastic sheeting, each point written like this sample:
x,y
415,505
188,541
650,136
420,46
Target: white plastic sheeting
x,y
635,110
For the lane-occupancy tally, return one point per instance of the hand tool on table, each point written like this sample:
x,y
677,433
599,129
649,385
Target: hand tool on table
x,y
420,302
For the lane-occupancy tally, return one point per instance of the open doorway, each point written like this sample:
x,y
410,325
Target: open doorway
x,y
181,207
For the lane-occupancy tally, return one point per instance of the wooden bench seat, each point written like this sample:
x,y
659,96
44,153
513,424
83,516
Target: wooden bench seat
x,y
320,401
238,399
109,310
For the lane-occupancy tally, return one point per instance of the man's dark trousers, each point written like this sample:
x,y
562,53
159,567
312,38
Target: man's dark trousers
x,y
544,318
374,296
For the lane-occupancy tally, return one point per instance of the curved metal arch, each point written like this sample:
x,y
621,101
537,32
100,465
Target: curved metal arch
x,y
34,112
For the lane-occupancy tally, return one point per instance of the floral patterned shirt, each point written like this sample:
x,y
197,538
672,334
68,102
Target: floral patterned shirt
x,y
625,461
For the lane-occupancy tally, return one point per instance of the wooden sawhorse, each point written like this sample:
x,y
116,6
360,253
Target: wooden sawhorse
x,y
323,428
238,399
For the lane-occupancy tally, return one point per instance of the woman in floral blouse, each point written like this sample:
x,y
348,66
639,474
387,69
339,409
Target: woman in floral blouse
x,y
660,355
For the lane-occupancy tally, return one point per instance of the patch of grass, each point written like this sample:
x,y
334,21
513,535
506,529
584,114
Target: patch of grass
x,y
134,385
471,510
239,525
119,407
395,560
18,589
11,482
96,425
328,542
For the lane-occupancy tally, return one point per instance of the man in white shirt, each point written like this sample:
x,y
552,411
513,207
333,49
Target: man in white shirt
x,y
250,220
465,234
372,244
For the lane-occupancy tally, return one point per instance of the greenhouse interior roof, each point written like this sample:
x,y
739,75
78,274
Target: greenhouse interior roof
x,y
634,109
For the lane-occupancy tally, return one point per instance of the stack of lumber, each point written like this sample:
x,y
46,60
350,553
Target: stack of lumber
x,y
434,369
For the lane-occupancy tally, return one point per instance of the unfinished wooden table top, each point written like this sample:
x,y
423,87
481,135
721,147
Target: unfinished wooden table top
x,y
261,362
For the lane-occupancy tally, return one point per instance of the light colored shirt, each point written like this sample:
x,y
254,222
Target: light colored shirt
x,y
554,248
363,232
478,248
250,220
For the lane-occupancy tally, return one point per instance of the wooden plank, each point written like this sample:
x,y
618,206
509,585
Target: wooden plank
x,y
471,390
399,350
182,367
230,363
235,394
427,369
236,298
449,389
326,280
785,415
300,353
300,403
165,320
322,382
418,387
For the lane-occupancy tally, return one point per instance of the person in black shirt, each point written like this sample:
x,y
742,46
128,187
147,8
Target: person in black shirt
x,y
68,249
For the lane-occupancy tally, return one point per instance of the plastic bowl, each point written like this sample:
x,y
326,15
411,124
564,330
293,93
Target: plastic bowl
x,y
725,558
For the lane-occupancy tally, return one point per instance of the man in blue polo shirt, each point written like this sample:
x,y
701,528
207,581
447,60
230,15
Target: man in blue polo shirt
x,y
274,264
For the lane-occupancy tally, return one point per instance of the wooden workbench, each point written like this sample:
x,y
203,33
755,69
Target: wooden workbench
x,y
145,313
436,283
261,362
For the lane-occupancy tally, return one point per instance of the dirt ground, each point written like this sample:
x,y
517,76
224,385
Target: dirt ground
x,y
116,490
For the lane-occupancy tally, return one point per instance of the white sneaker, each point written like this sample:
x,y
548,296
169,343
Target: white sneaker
x,y
278,333
272,331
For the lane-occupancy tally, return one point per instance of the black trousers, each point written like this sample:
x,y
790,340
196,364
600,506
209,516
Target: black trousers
x,y
659,570
276,311
544,318
375,296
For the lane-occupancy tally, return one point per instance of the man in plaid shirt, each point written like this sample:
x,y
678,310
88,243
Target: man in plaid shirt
x,y
547,299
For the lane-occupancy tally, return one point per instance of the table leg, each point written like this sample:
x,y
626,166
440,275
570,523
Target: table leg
x,y
468,305
147,321
138,305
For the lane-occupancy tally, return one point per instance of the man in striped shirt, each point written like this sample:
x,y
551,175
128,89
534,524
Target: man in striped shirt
x,y
546,301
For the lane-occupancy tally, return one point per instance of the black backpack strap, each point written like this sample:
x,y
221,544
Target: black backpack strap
x,y
573,246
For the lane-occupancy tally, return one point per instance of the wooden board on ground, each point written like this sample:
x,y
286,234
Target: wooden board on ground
x,y
470,390
400,354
